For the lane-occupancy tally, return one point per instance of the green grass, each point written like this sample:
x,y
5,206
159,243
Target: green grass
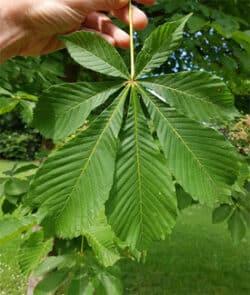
x,y
198,259
12,282
7,165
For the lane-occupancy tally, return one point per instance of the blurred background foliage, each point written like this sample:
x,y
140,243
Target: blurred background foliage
x,y
217,40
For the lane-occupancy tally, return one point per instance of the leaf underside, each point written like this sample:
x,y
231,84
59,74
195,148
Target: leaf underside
x,y
202,161
142,206
159,45
198,95
64,108
130,154
74,183
93,52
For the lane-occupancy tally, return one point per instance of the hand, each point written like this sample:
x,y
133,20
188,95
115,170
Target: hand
x,y
29,27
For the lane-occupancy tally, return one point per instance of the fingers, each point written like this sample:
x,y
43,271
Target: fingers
x,y
117,4
140,19
87,6
101,23
105,36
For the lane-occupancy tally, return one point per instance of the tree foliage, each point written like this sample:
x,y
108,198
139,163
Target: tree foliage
x,y
132,152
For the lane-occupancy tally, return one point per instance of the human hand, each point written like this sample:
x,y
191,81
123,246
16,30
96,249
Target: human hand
x,y
30,26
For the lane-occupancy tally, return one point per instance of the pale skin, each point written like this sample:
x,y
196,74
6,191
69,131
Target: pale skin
x,y
30,27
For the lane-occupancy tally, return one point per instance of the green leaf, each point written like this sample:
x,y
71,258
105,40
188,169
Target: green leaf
x,y
74,183
225,26
221,213
16,187
11,227
142,206
243,38
54,262
198,95
25,168
26,96
101,238
237,226
229,64
83,286
196,23
244,174
51,283
202,161
7,104
110,285
159,45
27,111
64,108
32,251
93,52
244,62
184,199
4,92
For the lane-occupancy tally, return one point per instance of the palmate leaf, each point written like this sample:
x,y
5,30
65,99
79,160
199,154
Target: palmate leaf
x,y
74,183
159,45
198,95
93,52
64,108
142,206
202,161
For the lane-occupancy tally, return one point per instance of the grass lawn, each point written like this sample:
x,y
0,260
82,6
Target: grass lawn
x,y
199,259
7,165
12,282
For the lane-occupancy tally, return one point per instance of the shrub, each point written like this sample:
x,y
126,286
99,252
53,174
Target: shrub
x,y
19,146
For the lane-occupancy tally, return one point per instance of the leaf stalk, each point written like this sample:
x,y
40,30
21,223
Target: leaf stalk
x,y
131,33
